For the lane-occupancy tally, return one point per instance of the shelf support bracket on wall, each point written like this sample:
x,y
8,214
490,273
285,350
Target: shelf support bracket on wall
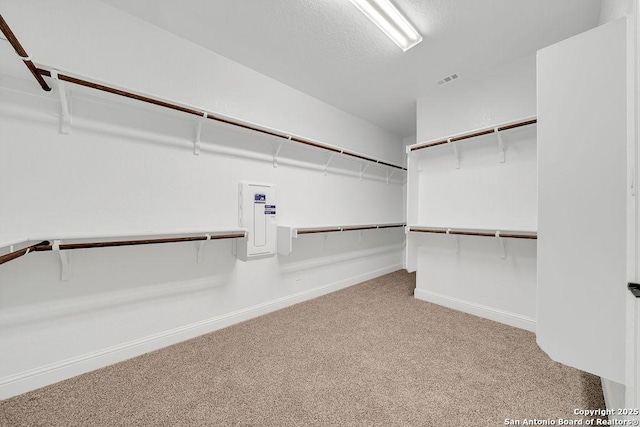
x,y
64,260
455,240
65,104
360,237
501,242
196,141
200,257
277,152
363,170
501,147
390,174
326,166
455,152
324,244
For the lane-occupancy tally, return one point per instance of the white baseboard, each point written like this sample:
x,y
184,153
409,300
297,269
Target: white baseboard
x,y
614,397
35,378
508,318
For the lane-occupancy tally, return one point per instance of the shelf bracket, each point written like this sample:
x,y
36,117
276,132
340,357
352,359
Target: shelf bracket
x,y
196,141
455,152
277,152
363,170
65,104
64,260
200,256
275,155
502,246
324,244
455,240
326,166
390,174
360,237
501,147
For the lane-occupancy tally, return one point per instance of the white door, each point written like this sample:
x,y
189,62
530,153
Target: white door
x,y
582,200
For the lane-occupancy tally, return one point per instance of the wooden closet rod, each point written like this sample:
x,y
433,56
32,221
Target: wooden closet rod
x,y
474,233
347,228
11,38
22,252
474,134
47,246
320,230
39,72
149,100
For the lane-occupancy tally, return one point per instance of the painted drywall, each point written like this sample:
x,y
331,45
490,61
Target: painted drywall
x,y
130,169
632,380
90,38
472,102
125,170
610,10
482,193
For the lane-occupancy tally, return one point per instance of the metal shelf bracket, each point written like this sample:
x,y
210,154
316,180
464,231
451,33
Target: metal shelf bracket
x,y
502,246
389,175
277,152
196,141
501,146
326,166
200,257
456,242
455,152
363,169
64,260
65,104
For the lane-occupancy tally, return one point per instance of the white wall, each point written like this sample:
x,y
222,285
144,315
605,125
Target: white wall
x,y
482,193
90,38
130,169
611,10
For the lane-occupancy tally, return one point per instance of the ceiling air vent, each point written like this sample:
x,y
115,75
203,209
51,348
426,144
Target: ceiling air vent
x,y
448,79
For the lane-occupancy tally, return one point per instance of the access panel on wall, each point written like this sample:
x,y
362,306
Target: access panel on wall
x,y
257,213
582,200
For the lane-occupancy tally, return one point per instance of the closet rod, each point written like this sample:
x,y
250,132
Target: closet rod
x,y
11,38
474,233
47,246
22,252
39,72
346,228
320,230
474,134
211,116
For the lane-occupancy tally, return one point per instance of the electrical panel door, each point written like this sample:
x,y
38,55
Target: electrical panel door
x,y
257,209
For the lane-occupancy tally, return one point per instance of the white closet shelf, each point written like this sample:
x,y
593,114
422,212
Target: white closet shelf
x,y
59,79
473,133
287,233
85,241
484,232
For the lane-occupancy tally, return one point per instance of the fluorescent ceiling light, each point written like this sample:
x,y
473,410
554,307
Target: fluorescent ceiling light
x,y
390,21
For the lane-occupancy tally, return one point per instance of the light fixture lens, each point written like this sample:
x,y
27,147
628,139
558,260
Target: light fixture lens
x,y
385,15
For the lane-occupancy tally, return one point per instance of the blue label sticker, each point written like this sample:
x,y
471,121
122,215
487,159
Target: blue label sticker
x,y
260,198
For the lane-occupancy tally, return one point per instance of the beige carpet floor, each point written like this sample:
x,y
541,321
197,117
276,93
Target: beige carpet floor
x,y
369,355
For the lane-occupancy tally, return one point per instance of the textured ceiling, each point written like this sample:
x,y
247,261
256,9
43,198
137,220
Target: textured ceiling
x,y
331,51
